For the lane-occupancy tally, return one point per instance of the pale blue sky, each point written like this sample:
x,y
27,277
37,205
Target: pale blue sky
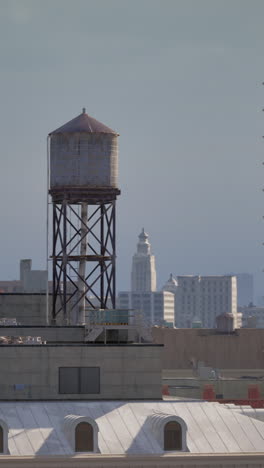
x,y
181,82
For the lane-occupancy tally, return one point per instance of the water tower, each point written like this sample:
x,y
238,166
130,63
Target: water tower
x,y
83,157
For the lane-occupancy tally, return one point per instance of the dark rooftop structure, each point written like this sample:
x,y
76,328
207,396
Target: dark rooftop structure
x,y
83,123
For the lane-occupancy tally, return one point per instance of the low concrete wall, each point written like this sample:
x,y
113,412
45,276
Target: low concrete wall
x,y
191,460
126,371
49,334
235,389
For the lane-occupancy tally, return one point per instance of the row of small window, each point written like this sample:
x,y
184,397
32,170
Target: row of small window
x,y
172,437
84,438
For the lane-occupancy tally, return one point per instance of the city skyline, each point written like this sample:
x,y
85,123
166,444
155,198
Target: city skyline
x,y
181,82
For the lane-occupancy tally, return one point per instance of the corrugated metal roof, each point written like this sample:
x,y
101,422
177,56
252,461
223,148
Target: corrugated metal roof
x,y
83,123
36,428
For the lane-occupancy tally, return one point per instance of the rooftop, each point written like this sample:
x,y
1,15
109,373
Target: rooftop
x,y
38,428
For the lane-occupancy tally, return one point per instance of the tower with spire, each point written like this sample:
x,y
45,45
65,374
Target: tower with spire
x,y
143,275
155,307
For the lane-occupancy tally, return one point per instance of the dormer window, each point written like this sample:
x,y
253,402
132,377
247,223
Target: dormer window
x,y
84,437
3,438
82,433
169,430
172,436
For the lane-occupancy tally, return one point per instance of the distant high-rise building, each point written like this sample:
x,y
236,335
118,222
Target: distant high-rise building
x,y
245,289
31,281
206,297
157,308
203,298
143,275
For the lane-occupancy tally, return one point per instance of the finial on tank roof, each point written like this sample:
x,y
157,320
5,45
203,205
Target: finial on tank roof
x,y
84,110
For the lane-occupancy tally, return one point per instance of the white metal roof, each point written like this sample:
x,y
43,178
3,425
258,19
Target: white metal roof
x,y
37,428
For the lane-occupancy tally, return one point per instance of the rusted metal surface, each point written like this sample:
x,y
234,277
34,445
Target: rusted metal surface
x,y
84,160
82,263
83,123
72,285
77,195
90,258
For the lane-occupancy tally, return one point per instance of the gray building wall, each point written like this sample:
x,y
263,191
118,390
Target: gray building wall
x,y
126,372
32,281
28,309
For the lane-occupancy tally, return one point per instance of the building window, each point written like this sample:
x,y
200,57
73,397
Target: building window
x,y
79,380
172,436
84,437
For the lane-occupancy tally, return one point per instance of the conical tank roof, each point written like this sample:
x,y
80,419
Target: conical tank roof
x,y
83,123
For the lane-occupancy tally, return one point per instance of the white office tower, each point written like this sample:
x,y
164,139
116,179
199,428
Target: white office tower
x,y
171,286
143,275
156,308
204,298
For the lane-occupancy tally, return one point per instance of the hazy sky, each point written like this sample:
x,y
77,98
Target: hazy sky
x,y
180,80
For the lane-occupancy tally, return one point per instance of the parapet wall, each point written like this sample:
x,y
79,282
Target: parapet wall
x,y
184,347
47,333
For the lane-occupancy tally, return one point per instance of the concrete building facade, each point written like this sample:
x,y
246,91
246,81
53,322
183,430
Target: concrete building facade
x,y
203,298
27,309
80,371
